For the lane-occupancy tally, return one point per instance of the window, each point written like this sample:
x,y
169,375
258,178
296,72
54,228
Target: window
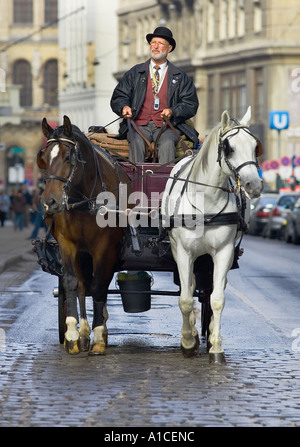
x,y
22,76
125,41
23,11
139,38
211,22
50,11
231,18
50,82
210,100
223,20
2,80
233,93
241,19
258,95
257,17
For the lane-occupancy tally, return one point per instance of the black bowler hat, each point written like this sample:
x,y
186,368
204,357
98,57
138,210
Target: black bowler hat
x,y
164,33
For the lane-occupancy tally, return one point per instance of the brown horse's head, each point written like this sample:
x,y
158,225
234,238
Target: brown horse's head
x,y
58,159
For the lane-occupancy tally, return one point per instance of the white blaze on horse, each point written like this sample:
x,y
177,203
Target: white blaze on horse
x,y
201,187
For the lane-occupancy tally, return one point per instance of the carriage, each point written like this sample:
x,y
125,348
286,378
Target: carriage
x,y
120,219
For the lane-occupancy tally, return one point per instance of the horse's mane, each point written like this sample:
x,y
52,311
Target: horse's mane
x,y
210,140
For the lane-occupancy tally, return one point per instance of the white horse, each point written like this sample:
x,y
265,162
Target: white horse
x,y
201,187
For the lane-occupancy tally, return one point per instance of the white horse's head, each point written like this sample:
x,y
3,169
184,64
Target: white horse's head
x,y
238,152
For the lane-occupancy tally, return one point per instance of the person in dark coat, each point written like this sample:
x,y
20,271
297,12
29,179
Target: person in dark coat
x,y
18,206
152,90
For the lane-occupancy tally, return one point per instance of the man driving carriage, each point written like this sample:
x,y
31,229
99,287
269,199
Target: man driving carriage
x,y
150,91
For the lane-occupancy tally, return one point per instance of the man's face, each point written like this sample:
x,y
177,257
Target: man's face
x,y
160,48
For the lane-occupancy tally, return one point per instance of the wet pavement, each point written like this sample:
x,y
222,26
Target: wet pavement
x,y
137,386
143,380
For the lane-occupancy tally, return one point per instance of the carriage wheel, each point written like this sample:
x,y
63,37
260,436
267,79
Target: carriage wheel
x,y
62,311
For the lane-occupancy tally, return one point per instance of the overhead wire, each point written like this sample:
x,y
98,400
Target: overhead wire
x,y
41,28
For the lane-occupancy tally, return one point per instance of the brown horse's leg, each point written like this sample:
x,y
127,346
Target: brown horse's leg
x,y
84,329
71,342
99,327
104,263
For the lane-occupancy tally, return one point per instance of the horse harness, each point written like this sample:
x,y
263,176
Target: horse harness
x,y
225,150
75,157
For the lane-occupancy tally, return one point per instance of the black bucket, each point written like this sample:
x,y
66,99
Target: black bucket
x,y
135,291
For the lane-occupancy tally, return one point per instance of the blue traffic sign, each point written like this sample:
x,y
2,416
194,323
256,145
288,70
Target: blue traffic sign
x,y
279,119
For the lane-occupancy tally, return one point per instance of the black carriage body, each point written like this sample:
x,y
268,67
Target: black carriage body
x,y
147,245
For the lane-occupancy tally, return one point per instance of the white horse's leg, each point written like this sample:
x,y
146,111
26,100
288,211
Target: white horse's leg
x,y
222,263
72,336
189,340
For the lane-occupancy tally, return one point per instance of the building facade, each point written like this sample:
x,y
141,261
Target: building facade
x,y
239,53
29,84
88,49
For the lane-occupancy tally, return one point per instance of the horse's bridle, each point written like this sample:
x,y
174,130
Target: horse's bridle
x,y
224,148
73,159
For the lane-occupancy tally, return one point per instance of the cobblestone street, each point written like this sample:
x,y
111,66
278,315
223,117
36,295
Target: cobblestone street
x,y
138,386
144,380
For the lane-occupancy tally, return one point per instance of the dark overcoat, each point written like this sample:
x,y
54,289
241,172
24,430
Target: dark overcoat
x,y
182,97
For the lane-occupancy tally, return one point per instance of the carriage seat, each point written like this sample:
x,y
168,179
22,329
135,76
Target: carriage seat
x,y
121,147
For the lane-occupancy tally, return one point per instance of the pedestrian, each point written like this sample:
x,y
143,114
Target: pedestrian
x,y
28,198
39,221
152,90
18,206
4,206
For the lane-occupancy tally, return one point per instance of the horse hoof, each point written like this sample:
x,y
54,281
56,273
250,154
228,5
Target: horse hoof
x,y
84,344
72,347
97,349
217,358
189,352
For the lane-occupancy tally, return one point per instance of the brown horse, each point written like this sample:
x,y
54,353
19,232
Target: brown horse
x,y
75,173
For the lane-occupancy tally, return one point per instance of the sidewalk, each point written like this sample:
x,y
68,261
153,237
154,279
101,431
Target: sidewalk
x,y
14,244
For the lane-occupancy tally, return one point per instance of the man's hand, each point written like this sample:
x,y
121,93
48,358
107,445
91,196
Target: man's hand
x,y
167,113
127,112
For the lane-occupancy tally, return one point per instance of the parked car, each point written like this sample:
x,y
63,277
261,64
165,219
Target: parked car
x,y
292,224
259,212
281,208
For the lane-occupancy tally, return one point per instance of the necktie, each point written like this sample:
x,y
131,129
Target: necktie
x,y
155,81
157,67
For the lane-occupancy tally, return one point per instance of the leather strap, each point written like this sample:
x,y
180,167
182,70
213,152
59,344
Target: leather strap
x,y
183,145
150,147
